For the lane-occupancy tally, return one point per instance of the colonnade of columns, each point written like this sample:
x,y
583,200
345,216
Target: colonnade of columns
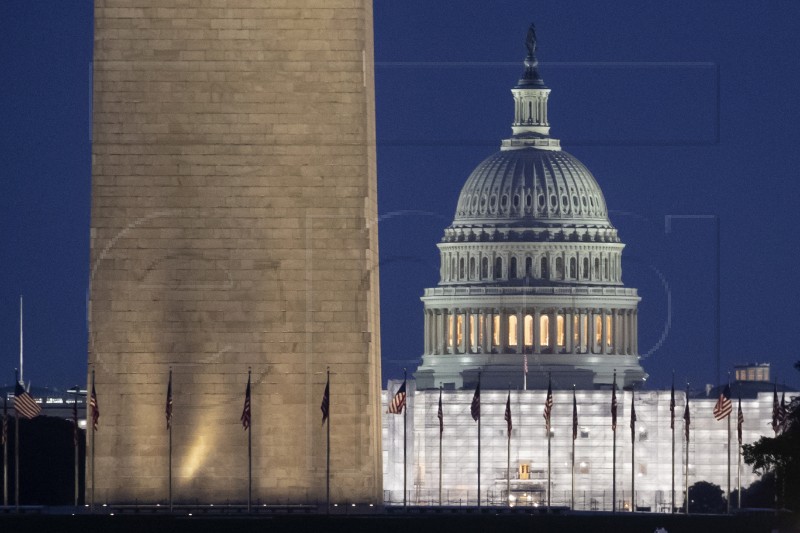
x,y
568,331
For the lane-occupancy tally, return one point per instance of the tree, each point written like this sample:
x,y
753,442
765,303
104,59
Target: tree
x,y
780,455
705,497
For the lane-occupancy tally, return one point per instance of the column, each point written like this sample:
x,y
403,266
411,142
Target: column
x,y
503,347
489,330
536,347
554,331
520,332
568,330
590,339
635,331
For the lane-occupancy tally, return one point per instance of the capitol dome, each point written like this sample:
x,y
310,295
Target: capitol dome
x,y
531,270
530,188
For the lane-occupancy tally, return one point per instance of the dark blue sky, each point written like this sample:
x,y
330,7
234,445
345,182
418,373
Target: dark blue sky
x,y
684,111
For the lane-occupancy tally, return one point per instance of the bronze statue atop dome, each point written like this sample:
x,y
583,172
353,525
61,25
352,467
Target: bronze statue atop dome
x,y
530,40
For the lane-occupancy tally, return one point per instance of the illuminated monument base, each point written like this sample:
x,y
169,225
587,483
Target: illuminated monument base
x,y
708,449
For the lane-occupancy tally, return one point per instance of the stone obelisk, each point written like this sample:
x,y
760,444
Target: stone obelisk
x,y
234,226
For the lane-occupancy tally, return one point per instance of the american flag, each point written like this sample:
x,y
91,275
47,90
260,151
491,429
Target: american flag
x,y
325,406
574,415
686,417
24,404
398,402
614,404
723,407
548,406
5,421
168,409
95,409
672,405
775,410
633,418
739,421
440,414
783,418
475,407
246,414
507,416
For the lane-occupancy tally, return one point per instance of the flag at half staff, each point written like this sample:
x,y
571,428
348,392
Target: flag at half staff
x,y
475,407
398,402
24,404
326,401
723,407
440,414
739,421
686,417
614,404
548,405
94,408
507,416
775,410
246,417
672,404
574,415
168,408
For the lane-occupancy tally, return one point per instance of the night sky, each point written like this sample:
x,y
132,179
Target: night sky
x,y
685,112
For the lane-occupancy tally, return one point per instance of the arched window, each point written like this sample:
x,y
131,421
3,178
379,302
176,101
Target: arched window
x,y
485,268
573,267
453,268
559,268
585,268
544,331
609,337
512,268
472,268
528,329
498,268
461,268
596,268
528,267
544,269
495,330
512,330
560,331
605,268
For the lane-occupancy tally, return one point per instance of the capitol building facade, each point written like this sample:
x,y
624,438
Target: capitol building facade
x,y
531,293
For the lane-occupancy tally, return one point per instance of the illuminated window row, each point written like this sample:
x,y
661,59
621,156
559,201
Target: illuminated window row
x,y
579,331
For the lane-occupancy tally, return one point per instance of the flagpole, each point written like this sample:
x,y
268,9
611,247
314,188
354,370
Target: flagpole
x,y
75,440
21,378
16,430
672,426
405,440
169,399
728,495
549,478
686,463
5,451
508,452
739,421
93,433
574,428
328,449
614,448
249,447
633,452
479,445
440,445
